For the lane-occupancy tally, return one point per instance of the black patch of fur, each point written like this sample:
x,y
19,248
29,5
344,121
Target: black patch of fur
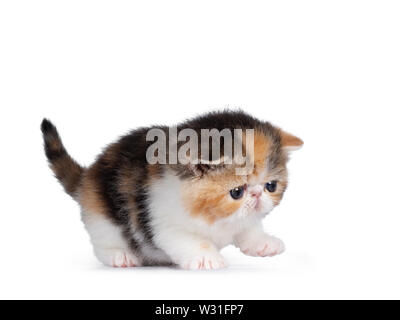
x,y
133,244
66,169
131,155
107,178
133,150
52,142
144,214
47,126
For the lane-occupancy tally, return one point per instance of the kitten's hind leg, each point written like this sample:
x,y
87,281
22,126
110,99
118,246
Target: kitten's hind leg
x,y
109,245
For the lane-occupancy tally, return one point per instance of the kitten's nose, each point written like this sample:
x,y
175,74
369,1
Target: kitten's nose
x,y
255,191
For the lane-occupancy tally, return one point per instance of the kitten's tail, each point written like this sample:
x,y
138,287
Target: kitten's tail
x,y
66,169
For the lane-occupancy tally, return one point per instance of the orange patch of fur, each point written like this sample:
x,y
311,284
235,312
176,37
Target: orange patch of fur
x,y
154,172
89,198
209,197
68,172
261,150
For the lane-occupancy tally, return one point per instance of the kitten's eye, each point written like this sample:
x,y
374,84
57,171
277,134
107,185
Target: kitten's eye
x,y
271,186
237,193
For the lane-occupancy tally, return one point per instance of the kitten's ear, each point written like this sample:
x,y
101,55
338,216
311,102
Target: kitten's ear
x,y
290,142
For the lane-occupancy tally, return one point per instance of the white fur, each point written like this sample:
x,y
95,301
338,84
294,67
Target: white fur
x,y
108,244
192,242
255,242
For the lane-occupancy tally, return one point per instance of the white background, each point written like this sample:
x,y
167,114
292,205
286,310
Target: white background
x,y
328,71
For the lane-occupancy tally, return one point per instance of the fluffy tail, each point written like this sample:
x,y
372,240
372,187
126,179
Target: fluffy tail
x,y
66,169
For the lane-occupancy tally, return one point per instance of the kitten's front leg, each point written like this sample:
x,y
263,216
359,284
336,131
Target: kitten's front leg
x,y
190,251
255,242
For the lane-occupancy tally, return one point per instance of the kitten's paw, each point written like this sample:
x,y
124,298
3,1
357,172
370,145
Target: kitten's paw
x,y
205,261
123,259
117,258
266,247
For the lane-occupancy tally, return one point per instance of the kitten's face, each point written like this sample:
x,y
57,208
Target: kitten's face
x,y
221,193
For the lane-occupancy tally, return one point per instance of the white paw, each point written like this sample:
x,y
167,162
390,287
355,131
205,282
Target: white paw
x,y
123,259
266,247
117,258
205,261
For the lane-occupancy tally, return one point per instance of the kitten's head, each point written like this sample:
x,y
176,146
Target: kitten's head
x,y
216,192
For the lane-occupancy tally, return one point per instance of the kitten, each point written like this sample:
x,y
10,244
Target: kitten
x,y
140,214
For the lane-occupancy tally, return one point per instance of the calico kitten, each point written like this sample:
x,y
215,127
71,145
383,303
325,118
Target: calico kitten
x,y
140,214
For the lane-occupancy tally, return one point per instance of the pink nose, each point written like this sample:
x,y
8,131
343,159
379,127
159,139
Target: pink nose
x,y
256,193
